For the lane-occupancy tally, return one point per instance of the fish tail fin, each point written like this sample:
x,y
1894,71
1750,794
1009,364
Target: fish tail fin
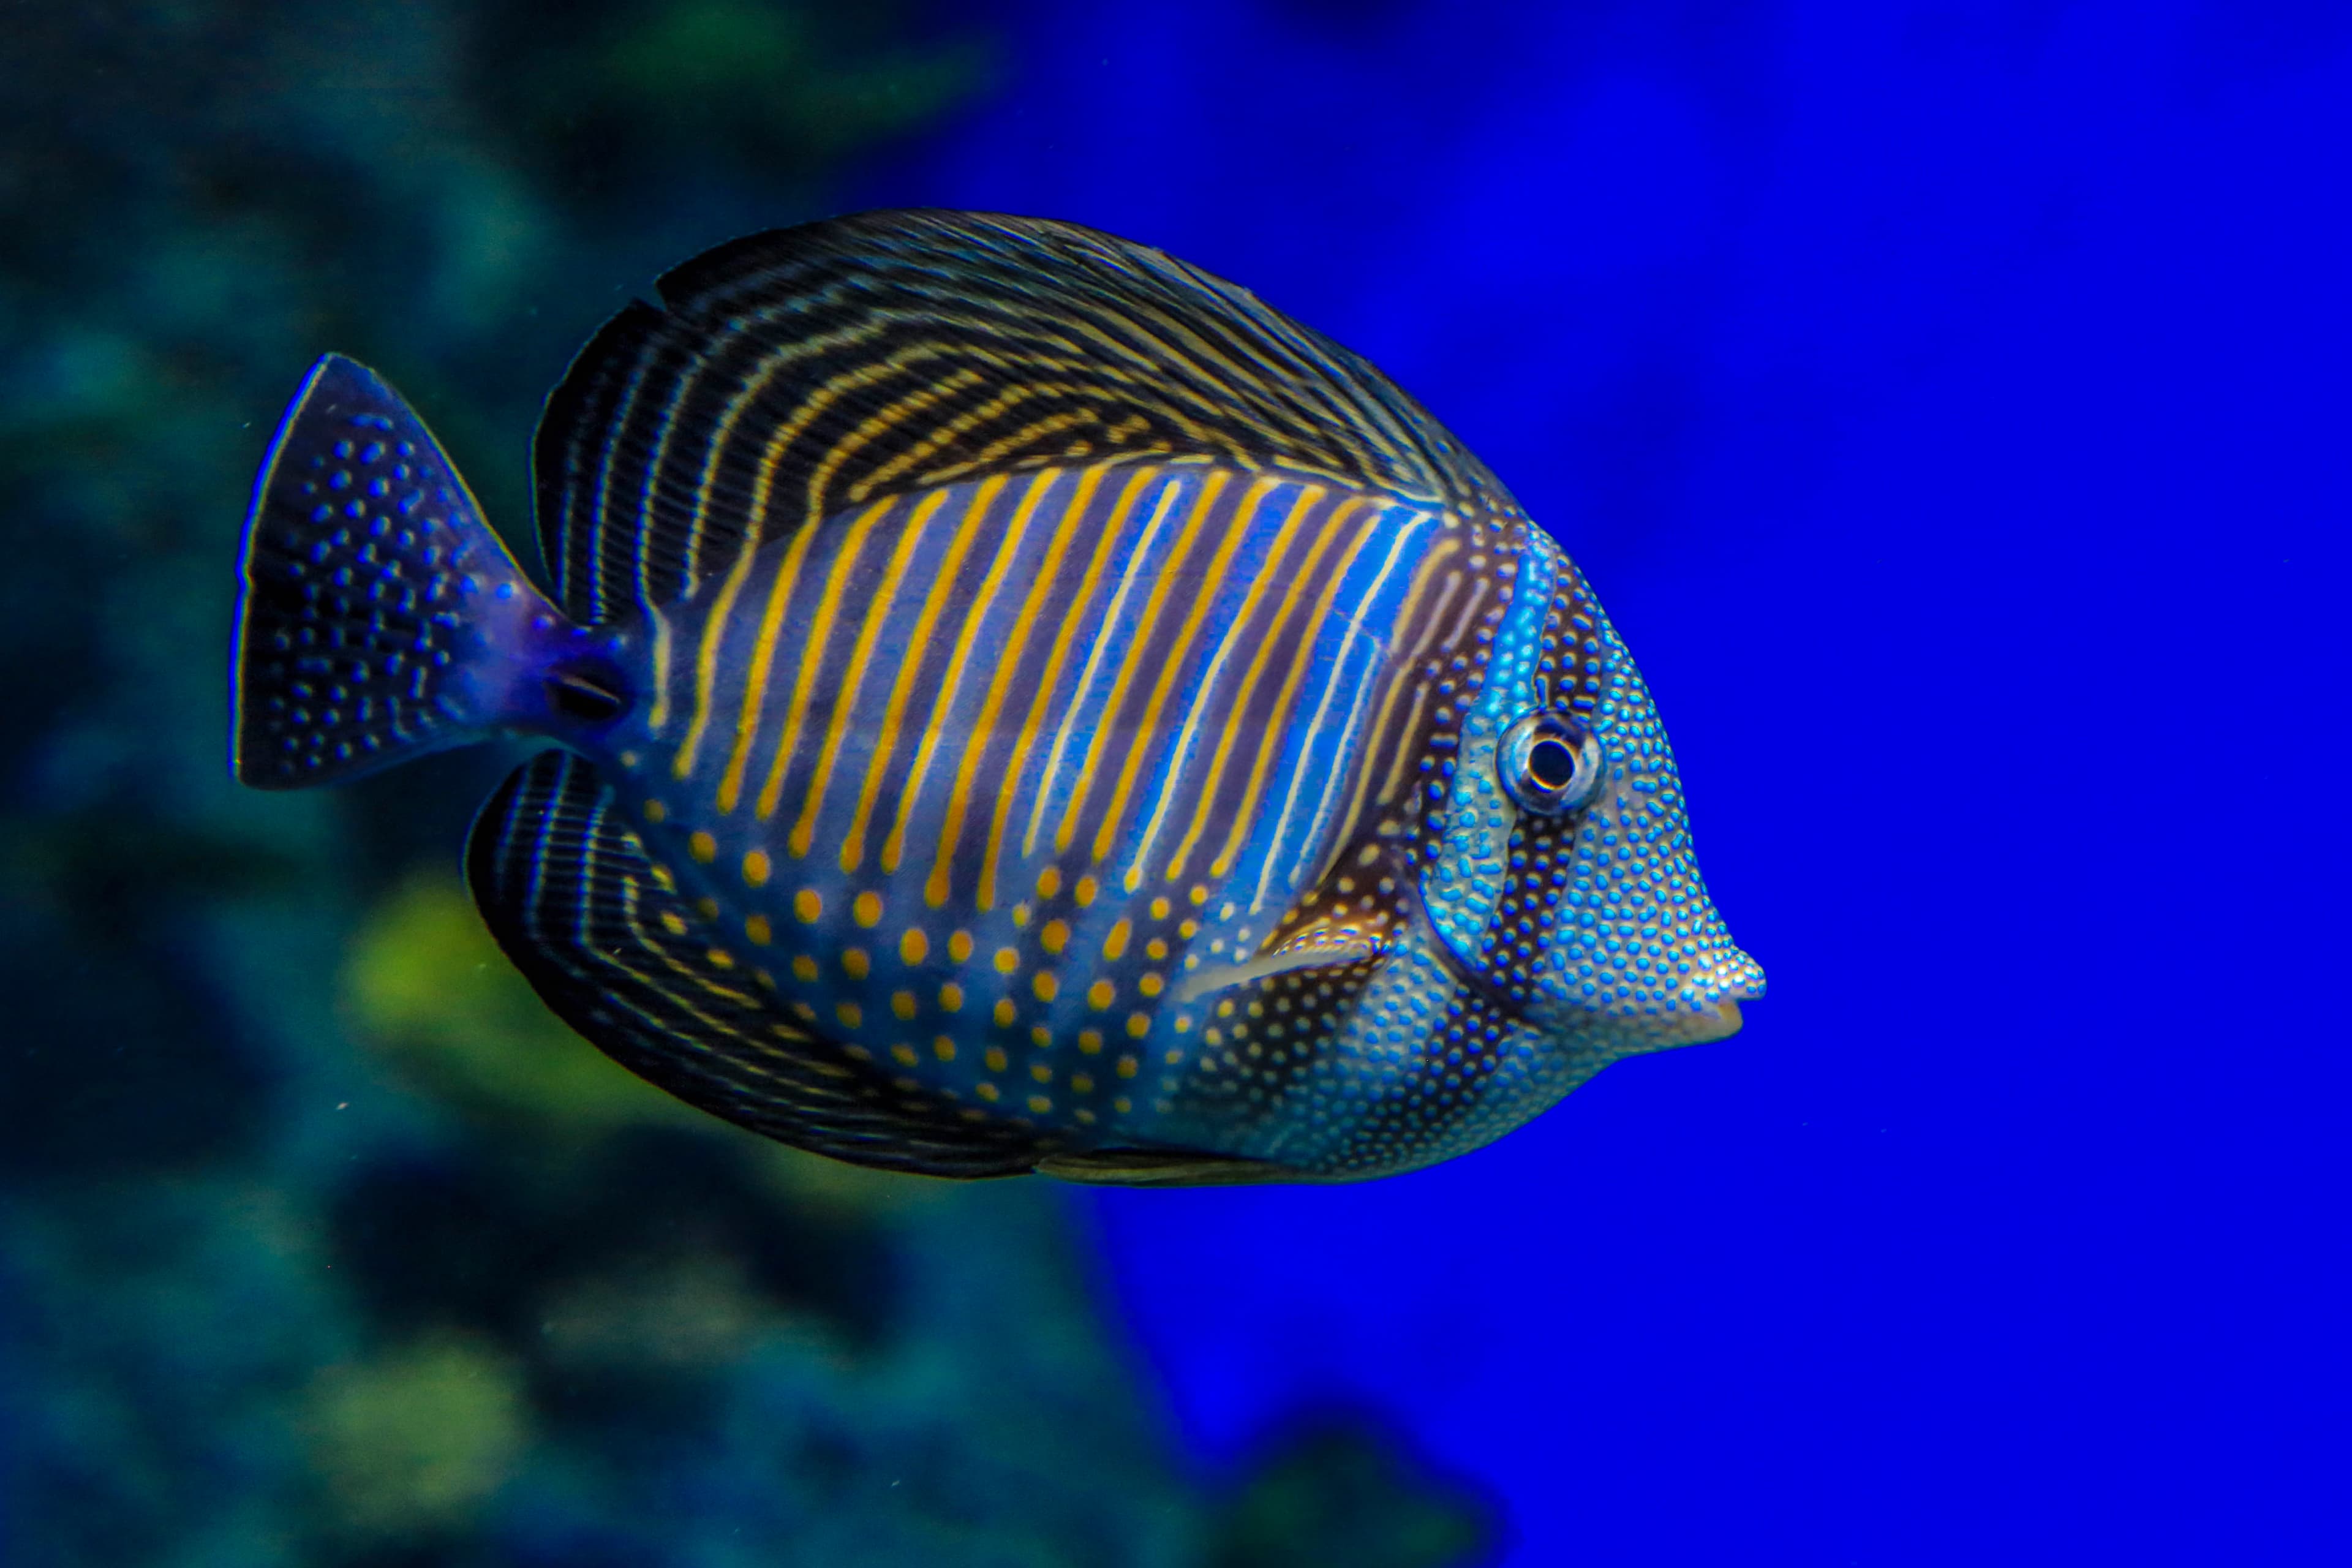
x,y
378,616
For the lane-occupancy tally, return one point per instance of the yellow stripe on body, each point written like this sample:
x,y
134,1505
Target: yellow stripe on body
x,y
722,606
1277,729
1105,541
1273,569
877,616
894,715
1008,664
935,886
1212,583
778,442
1404,536
1135,561
763,659
657,717
811,658
1137,648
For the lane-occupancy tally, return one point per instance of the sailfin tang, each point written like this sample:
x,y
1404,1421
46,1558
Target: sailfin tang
x,y
792,374
572,897
378,617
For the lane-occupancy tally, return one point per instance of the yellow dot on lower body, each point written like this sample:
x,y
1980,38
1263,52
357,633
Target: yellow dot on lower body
x,y
672,922
656,811
1090,1041
987,1091
1101,994
1008,959
721,958
804,967
1129,1066
913,945
1199,895
1114,944
756,927
1174,1058
1081,1084
1155,950
1005,1012
960,946
855,963
1043,984
1041,1072
1160,908
702,847
755,868
952,998
1083,1114
903,1055
1138,1025
804,1013
808,906
1151,985
943,1047
903,1004
1021,914
1054,937
1188,928
995,1058
1183,1023
1040,1036
707,907
1086,891
1049,881
1039,1105
1122,1105
866,909
850,1014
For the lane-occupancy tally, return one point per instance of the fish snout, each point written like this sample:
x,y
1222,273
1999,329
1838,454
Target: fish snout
x,y
1712,999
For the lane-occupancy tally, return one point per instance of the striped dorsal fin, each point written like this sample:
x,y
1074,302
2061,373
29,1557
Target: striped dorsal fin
x,y
622,958
794,374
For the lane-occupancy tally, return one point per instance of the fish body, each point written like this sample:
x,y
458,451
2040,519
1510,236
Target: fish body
x,y
1020,704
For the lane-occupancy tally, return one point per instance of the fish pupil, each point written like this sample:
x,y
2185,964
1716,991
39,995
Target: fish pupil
x,y
1551,763
584,697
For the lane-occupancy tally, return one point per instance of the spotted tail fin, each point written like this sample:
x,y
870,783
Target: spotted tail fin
x,y
378,616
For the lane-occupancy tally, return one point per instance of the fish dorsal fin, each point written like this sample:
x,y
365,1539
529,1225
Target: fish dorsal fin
x,y
792,374
622,958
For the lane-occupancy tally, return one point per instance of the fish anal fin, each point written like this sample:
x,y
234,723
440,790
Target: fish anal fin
x,y
572,899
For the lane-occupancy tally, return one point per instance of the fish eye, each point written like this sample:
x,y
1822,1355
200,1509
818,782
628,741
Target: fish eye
x,y
1549,765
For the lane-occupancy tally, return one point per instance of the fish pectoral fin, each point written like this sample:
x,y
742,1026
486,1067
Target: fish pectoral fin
x,y
1163,1168
1316,947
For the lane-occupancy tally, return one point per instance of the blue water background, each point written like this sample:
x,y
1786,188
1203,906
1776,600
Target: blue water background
x,y
1949,402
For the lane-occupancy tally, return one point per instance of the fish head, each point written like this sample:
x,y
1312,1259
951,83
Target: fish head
x,y
1557,871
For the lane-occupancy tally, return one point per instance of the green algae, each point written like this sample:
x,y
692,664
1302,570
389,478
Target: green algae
x,y
416,1439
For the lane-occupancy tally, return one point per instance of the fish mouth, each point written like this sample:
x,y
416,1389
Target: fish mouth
x,y
1719,1022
